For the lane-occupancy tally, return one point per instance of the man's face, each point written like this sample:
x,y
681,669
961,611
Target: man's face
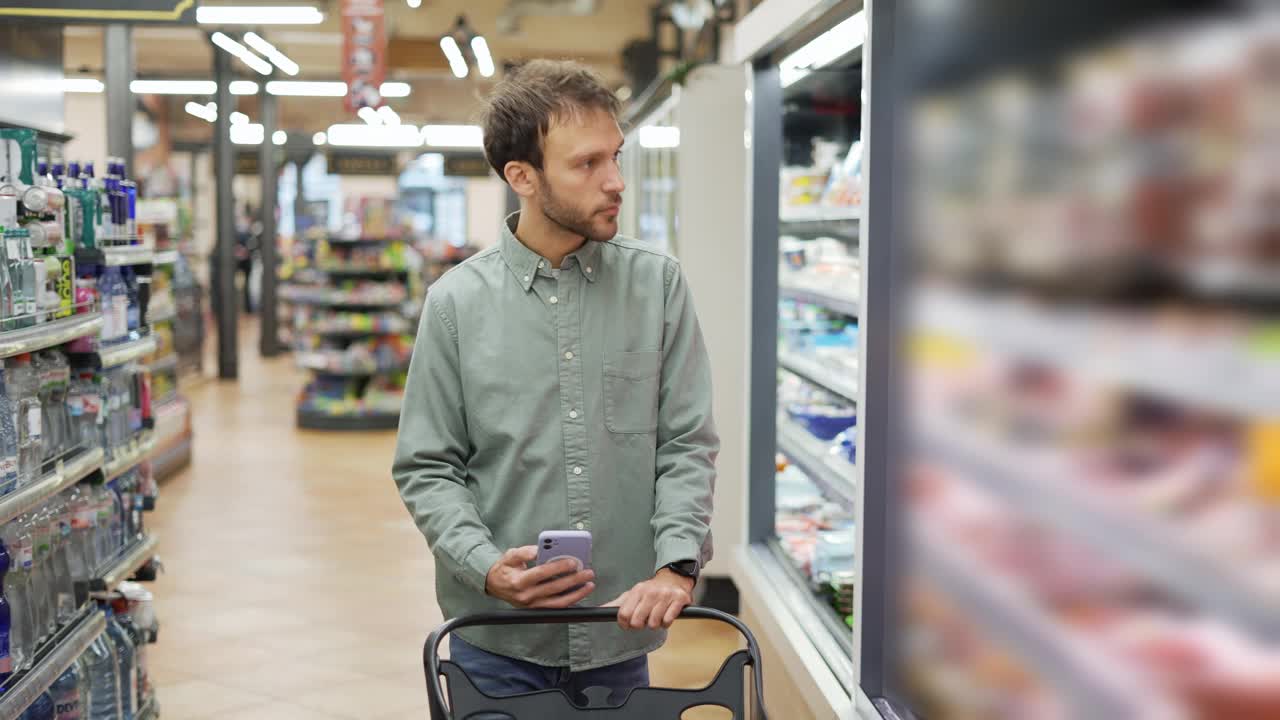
x,y
580,185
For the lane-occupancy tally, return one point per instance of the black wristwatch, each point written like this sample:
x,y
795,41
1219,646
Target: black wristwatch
x,y
687,568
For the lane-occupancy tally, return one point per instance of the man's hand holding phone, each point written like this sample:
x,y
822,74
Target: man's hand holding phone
x,y
545,586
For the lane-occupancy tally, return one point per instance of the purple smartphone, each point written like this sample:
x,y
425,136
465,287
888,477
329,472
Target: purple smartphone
x,y
557,544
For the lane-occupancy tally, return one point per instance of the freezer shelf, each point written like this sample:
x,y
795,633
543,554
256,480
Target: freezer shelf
x,y
819,375
69,644
1147,545
810,454
843,304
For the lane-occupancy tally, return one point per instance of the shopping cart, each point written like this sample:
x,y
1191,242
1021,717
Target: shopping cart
x,y
465,701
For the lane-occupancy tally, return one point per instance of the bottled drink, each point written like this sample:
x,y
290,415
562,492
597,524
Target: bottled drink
x,y
45,599
138,636
118,533
42,377
41,709
84,521
23,390
17,591
63,584
7,664
68,693
104,679
106,549
125,659
8,437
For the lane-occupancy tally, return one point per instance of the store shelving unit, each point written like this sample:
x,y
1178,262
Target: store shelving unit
x,y
67,473
138,451
832,474
843,303
59,654
50,334
126,352
818,374
125,565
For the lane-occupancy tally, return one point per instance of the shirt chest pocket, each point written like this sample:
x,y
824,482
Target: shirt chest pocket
x,y
631,391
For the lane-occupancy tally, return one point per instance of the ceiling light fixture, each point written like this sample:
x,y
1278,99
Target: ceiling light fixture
x,y
258,15
659,136
244,87
352,135
415,4
246,55
824,49
238,118
247,134
484,61
303,88
173,87
451,51
369,115
269,51
388,116
204,112
394,89
279,137
319,138
456,136
82,85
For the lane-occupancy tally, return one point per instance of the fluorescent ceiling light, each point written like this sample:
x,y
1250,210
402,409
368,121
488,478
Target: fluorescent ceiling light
x,y
394,89
369,115
388,116
319,138
173,87
238,117
204,112
258,15
484,61
246,56
824,49
353,135
247,134
415,4
244,87
270,52
302,88
82,85
279,137
460,136
659,136
454,53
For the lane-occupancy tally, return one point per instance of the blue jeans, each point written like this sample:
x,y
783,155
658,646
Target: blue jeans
x,y
498,676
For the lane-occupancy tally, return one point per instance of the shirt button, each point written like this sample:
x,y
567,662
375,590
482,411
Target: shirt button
x,y
568,355
588,269
526,278
541,265
577,471
554,299
581,526
573,414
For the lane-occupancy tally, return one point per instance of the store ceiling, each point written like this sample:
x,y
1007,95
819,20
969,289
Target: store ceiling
x,y
593,31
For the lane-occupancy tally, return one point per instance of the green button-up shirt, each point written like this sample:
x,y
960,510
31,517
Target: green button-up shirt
x,y
541,400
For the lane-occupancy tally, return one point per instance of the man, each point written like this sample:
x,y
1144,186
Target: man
x,y
560,382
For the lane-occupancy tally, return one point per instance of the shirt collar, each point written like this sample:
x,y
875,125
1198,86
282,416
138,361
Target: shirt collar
x,y
524,262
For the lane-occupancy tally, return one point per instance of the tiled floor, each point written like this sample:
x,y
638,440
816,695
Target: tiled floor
x,y
296,585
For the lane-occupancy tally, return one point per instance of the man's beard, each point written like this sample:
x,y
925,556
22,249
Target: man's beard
x,y
569,217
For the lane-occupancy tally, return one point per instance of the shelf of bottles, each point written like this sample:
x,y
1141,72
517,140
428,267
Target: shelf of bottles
x,y
351,321
75,433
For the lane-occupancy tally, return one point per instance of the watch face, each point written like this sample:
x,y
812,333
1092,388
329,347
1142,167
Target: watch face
x,y
688,568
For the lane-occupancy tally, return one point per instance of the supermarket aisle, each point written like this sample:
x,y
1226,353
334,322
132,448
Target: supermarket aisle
x,y
296,586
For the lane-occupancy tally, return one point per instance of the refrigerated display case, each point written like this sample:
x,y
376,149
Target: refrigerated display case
x,y
649,166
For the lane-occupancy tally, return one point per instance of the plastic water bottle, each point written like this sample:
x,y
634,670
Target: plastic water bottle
x,y
105,550
126,659
117,520
104,679
17,598
139,639
7,664
64,584
46,601
41,709
68,693
8,438
84,519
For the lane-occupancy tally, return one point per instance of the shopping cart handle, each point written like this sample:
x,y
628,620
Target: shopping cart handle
x,y
431,655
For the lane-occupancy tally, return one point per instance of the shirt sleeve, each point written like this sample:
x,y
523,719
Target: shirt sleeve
x,y
687,439
432,448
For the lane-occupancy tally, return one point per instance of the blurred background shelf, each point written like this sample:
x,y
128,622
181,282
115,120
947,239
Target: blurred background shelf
x,y
315,420
819,375
50,334
832,473
843,304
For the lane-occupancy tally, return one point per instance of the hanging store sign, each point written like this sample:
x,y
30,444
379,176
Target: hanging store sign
x,y
101,11
357,163
364,52
466,166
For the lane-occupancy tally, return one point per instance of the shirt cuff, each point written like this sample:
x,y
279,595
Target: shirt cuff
x,y
476,565
671,550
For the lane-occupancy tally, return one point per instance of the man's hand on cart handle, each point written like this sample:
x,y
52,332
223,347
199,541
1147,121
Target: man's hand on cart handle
x,y
546,586
654,603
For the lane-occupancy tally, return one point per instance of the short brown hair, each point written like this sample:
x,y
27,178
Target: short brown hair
x,y
519,111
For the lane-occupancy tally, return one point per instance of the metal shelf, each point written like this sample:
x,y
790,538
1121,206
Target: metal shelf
x,y
68,473
150,710
311,420
115,255
116,355
166,257
165,364
126,565
842,304
810,454
1146,544
168,314
835,223
821,376
356,271
59,654
138,451
331,300
50,334
1093,684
